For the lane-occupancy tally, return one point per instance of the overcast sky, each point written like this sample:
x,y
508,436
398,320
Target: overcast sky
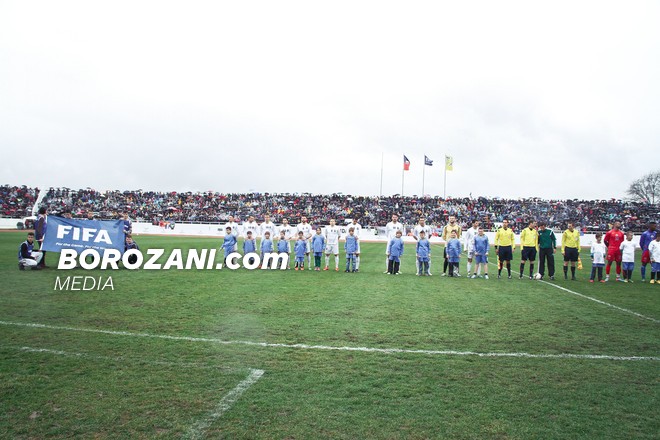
x,y
550,99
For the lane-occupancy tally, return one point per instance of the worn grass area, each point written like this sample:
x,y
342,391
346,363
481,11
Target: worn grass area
x,y
124,385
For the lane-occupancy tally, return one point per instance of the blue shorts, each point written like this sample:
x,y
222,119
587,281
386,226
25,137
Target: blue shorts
x,y
482,259
598,265
655,267
628,266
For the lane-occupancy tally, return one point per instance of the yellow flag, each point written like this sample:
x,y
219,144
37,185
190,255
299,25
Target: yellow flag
x,y
449,163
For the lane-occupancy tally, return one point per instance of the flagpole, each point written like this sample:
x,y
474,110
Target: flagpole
x,y
444,190
403,173
381,174
423,175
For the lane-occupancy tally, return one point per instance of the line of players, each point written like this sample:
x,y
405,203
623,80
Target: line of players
x,y
617,247
614,247
535,239
307,241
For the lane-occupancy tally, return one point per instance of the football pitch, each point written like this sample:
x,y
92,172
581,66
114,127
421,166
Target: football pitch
x,y
298,355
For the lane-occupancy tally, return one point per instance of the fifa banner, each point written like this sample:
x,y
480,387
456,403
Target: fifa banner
x,y
64,233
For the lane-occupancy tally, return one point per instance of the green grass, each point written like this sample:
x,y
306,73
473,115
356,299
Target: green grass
x,y
136,387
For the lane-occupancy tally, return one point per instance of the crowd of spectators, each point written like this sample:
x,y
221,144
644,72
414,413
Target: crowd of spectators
x,y
17,201
213,207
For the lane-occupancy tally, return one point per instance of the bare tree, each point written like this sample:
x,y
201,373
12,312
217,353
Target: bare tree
x,y
646,189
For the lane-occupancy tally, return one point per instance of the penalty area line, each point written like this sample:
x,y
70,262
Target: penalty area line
x,y
199,429
581,295
339,348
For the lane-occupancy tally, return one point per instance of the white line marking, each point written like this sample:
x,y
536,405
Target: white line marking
x,y
198,429
335,348
639,315
621,309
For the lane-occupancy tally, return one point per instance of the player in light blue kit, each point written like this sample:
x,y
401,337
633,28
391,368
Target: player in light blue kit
x,y
423,254
481,248
300,249
394,254
454,254
318,245
229,242
249,245
266,246
351,247
283,247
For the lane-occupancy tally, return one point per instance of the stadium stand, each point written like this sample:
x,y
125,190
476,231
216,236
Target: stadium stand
x,y
213,207
17,201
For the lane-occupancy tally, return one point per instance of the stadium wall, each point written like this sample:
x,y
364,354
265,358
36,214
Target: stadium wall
x,y
217,230
10,223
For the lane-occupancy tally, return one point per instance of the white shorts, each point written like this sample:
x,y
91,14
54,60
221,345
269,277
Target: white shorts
x,y
29,262
387,250
470,253
332,249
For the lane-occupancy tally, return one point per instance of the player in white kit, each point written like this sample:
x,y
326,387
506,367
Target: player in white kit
x,y
287,229
251,226
267,226
332,234
235,229
469,243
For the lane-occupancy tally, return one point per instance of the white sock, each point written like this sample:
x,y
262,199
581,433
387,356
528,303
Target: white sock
x,y
469,266
357,262
327,260
336,261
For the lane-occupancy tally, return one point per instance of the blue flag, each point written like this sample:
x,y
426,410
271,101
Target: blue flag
x,y
428,161
64,233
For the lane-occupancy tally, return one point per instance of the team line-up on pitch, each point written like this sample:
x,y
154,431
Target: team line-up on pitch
x,y
615,247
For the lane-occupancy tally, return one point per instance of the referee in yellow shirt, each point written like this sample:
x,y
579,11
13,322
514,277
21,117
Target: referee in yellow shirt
x,y
450,227
529,245
504,242
570,248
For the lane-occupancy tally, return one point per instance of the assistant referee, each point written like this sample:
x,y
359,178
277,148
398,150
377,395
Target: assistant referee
x,y
570,248
504,241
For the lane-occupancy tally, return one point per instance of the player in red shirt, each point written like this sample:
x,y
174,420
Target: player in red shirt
x,y
613,240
